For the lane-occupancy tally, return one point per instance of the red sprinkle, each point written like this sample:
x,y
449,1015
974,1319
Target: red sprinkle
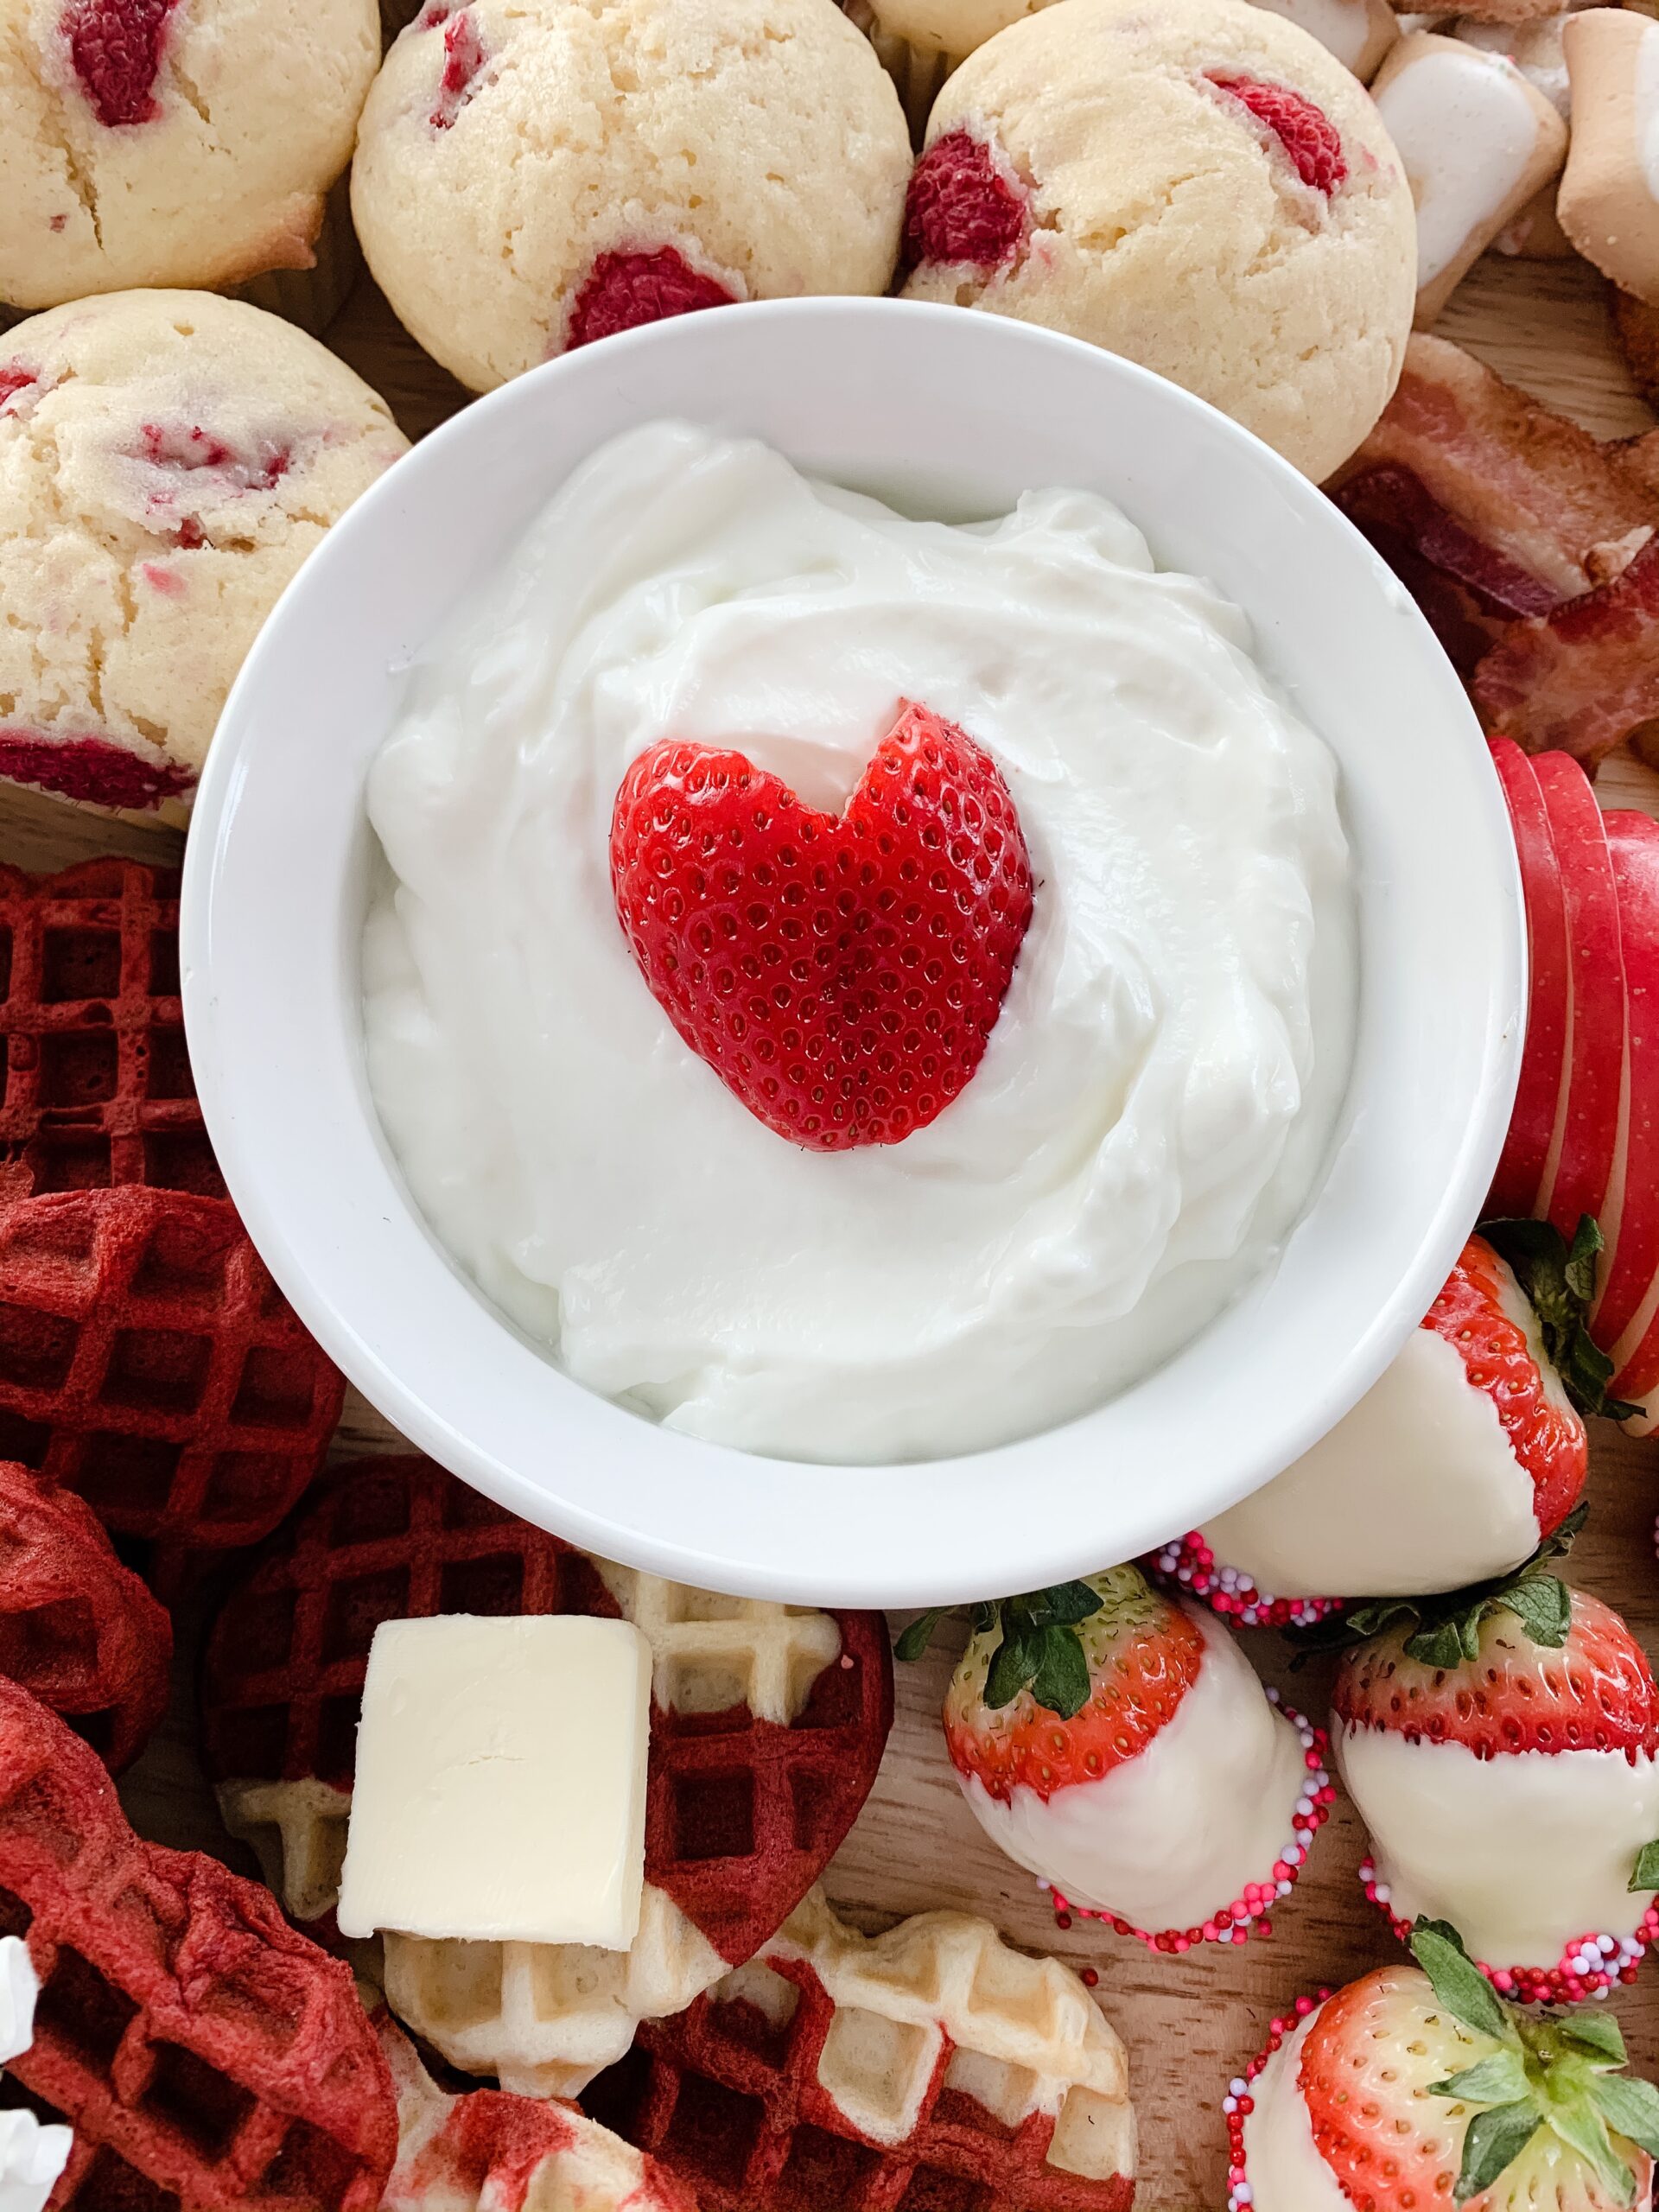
x,y
463,51
1309,137
92,769
961,208
115,47
624,290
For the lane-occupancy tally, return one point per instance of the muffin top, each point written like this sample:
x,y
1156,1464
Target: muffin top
x,y
171,141
651,154
1201,186
167,461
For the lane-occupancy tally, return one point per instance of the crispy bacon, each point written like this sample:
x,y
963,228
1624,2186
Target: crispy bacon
x,y
1546,499
1584,675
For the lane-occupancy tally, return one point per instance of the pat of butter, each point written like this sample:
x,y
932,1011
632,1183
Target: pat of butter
x,y
501,1786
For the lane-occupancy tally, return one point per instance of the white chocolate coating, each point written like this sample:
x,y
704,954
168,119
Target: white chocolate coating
x,y
1416,1490
1172,1836
1523,1853
1281,2156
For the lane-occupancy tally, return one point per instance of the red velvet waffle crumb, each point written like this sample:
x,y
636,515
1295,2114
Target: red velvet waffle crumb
x,y
93,769
624,290
1309,137
960,207
115,47
463,57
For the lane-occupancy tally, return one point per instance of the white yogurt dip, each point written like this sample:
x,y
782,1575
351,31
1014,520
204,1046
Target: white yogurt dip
x,y
1523,1855
1159,1091
1172,1836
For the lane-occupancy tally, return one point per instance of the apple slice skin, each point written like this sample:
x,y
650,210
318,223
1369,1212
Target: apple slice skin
x,y
1633,846
1521,1171
1588,1132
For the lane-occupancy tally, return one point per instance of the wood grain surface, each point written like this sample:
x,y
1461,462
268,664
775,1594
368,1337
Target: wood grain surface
x,y
1189,2022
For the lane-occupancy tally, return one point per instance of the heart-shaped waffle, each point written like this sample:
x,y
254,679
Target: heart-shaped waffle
x,y
206,2054
76,1627
148,1363
97,1085
767,1726
490,2152
931,2066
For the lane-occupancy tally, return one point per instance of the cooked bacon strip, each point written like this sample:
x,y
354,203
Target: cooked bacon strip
x,y
1389,503
1539,494
1583,677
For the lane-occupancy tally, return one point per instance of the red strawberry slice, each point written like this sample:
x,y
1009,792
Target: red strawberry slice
x,y
1521,1170
1581,1164
841,975
1631,1277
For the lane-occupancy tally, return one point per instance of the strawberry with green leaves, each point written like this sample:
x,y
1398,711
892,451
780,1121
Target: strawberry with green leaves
x,y
1117,1745
1418,2088
1503,1749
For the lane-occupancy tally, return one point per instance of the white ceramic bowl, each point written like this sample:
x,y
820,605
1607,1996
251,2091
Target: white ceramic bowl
x,y
958,413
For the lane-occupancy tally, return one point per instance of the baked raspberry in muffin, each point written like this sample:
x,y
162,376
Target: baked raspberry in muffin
x,y
1199,186
167,461
532,175
177,141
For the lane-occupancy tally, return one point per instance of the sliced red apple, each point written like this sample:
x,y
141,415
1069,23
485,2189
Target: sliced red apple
x,y
1543,1065
1630,1224
1579,1165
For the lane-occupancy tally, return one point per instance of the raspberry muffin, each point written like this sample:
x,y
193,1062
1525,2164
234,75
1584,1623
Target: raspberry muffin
x,y
1201,187
179,141
167,461
532,175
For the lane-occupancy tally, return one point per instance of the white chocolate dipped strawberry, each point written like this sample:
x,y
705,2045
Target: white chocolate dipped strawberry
x,y
1417,2088
1452,1469
1116,1744
1504,1758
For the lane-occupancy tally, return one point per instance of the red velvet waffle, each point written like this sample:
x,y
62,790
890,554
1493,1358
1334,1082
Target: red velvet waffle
x,y
205,2053
97,1085
148,1363
742,1812
76,1627
930,2067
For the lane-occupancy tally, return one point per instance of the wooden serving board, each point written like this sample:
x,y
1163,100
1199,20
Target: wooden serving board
x,y
1189,2022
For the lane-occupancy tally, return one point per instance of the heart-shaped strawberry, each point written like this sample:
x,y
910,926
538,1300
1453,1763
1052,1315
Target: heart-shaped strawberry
x,y
840,973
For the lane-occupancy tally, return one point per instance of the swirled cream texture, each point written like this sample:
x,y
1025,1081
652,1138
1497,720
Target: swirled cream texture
x,y
1158,1094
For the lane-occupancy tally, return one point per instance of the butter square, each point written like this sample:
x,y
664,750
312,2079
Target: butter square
x,y
501,1786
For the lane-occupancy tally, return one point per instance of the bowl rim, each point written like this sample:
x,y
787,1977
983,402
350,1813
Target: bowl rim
x,y
799,1552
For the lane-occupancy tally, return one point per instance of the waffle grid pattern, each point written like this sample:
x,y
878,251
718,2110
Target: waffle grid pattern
x,y
931,2068
148,1363
97,1085
767,1725
204,2053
